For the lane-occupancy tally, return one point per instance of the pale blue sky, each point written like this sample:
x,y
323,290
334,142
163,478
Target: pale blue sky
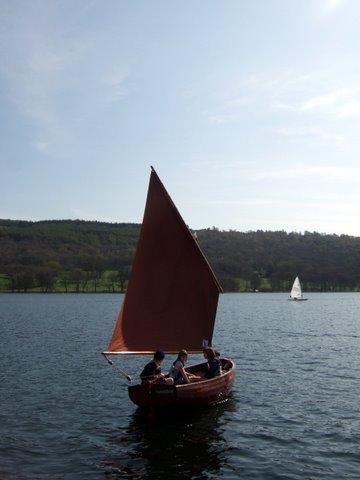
x,y
249,111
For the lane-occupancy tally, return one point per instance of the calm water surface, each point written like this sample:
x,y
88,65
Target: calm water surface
x,y
294,412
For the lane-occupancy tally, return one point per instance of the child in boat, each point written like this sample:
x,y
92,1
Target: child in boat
x,y
213,366
225,365
217,356
177,371
152,370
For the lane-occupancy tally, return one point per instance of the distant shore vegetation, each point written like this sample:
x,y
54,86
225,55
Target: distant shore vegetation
x,y
88,256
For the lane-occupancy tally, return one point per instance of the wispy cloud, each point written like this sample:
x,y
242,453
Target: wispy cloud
x,y
114,82
311,132
41,146
329,7
289,93
324,172
274,170
349,109
341,102
257,92
221,119
326,100
330,204
53,79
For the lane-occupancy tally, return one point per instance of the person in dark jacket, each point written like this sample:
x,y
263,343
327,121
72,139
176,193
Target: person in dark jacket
x,y
213,366
152,370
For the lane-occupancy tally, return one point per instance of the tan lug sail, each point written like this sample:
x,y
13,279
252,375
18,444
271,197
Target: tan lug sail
x,y
172,295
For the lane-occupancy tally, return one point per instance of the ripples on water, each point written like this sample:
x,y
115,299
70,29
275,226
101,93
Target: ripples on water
x,y
294,412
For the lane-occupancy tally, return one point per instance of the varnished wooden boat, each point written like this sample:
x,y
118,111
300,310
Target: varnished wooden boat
x,y
197,394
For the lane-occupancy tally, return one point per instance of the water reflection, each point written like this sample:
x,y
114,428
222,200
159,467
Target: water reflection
x,y
186,443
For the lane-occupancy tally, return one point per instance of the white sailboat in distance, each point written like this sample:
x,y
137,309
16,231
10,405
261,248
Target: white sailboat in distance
x,y
296,292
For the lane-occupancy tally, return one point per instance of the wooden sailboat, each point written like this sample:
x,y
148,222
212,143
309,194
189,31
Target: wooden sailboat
x,y
296,291
170,304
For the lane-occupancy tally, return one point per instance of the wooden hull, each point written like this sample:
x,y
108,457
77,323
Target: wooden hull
x,y
297,299
198,394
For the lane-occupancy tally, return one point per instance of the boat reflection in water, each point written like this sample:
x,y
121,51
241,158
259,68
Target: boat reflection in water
x,y
176,444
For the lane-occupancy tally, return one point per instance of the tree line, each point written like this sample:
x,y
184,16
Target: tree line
x,y
83,256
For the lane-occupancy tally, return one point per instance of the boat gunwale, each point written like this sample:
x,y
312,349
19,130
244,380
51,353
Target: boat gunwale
x,y
151,352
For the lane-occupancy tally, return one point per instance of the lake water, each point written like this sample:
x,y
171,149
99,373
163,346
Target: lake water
x,y
294,412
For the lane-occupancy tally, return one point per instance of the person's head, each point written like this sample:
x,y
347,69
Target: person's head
x,y
182,356
159,356
209,353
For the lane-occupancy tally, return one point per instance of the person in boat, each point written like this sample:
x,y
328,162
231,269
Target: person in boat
x,y
223,366
217,356
177,371
152,370
213,365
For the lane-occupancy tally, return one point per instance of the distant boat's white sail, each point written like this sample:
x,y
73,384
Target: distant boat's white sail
x,y
296,289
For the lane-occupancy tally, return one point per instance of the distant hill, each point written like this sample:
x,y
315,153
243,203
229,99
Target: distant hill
x,y
77,255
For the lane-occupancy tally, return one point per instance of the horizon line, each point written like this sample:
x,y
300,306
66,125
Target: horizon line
x,y
213,227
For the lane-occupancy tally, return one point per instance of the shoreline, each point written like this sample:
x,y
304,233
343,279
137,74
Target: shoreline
x,y
123,293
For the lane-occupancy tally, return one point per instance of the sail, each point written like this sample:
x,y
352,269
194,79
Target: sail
x,y
296,289
172,295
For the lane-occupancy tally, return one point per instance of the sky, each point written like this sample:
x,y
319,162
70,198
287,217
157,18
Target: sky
x,y
248,110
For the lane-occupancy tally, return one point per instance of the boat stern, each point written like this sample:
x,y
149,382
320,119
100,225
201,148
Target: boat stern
x,y
145,395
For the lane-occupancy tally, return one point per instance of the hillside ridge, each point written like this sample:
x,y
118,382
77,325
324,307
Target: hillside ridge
x,y
82,255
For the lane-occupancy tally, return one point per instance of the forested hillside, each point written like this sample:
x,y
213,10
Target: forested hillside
x,y
82,256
